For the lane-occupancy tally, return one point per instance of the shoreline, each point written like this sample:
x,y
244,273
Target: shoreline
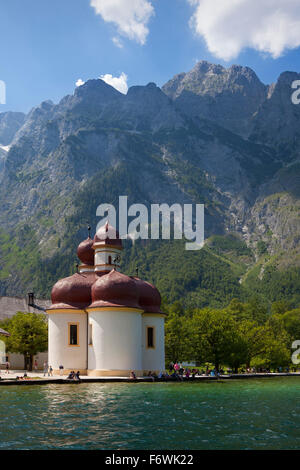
x,y
85,380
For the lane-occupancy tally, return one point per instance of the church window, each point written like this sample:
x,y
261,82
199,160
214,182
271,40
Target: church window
x,y
74,334
90,334
150,338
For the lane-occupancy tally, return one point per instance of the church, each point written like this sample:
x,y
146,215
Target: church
x,y
102,322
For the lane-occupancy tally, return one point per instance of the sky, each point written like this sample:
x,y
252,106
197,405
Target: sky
x,y
48,47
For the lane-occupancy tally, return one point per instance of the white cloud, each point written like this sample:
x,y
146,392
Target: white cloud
x,y
119,83
130,16
117,42
228,26
80,82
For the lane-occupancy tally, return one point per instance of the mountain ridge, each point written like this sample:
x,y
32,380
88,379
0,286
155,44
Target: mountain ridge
x,y
203,138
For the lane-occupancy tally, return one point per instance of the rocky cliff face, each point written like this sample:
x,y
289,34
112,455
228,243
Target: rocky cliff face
x,y
276,122
10,123
265,115
229,97
213,135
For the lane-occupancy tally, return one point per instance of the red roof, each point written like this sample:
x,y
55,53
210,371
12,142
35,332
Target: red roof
x,y
149,296
115,290
86,253
108,235
100,290
73,292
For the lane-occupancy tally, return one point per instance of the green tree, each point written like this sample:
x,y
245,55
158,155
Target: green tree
x,y
277,354
280,307
254,339
276,344
277,329
177,345
256,310
291,321
214,336
237,309
238,353
29,335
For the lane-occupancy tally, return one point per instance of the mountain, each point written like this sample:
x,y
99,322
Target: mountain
x,y
203,138
10,123
228,97
276,122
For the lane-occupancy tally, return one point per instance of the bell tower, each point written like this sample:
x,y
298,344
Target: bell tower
x,y
108,248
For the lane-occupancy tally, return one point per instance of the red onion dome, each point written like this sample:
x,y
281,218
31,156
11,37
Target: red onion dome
x,y
149,296
73,292
115,290
86,253
108,236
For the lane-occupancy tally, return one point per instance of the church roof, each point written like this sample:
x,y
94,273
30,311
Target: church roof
x,y
99,290
73,292
149,296
85,252
115,290
108,235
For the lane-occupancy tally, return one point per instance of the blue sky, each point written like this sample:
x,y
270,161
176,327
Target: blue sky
x,y
46,46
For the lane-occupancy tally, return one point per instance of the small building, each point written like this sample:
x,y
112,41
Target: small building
x,y
9,306
103,322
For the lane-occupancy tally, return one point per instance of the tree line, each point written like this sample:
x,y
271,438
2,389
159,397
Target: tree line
x,y
242,335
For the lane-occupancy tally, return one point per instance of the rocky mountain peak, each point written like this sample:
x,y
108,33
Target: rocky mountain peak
x,y
228,96
150,91
96,87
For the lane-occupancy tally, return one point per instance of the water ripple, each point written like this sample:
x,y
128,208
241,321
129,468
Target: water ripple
x,y
232,415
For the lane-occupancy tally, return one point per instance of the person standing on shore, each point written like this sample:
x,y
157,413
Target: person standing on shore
x,y
7,367
45,368
61,369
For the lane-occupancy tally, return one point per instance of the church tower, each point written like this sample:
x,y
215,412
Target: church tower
x,y
108,248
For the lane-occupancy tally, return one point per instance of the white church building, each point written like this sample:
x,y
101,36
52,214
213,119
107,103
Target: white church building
x,y
102,322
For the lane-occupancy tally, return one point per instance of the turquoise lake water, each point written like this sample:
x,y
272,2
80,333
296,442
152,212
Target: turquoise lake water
x,y
241,414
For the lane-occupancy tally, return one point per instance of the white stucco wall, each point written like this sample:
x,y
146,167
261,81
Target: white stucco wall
x,y
102,259
17,361
60,353
153,359
117,343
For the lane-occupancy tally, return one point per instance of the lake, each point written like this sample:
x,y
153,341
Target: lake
x,y
238,414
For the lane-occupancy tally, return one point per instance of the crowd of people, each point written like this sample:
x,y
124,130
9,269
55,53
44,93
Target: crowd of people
x,y
74,376
176,371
